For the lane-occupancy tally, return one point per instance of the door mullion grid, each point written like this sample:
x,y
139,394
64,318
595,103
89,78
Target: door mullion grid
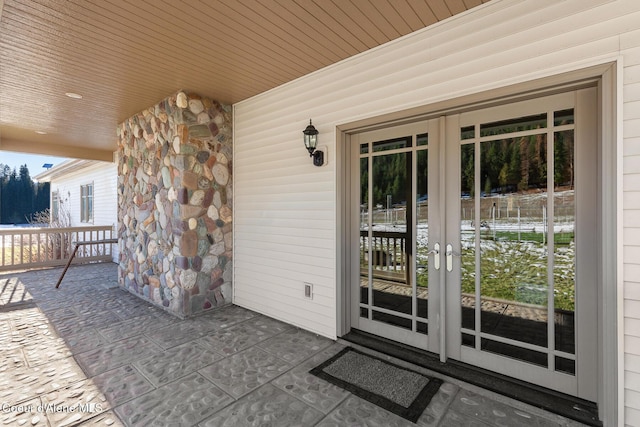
x,y
478,246
551,320
441,153
414,228
370,231
521,344
396,313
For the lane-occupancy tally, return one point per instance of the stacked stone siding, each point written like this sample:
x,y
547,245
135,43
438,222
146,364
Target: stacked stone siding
x,y
175,204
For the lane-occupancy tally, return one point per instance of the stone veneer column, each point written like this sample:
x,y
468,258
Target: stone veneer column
x,y
174,204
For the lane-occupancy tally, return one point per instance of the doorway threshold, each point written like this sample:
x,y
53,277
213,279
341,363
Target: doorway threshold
x,y
549,400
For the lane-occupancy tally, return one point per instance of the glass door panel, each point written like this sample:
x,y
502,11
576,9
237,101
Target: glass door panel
x,y
508,222
513,258
365,243
393,209
564,246
391,236
517,206
467,240
422,235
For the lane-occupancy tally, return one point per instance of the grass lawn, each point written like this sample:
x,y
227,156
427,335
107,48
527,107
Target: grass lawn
x,y
517,271
514,236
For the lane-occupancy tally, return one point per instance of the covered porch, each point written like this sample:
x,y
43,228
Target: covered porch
x,y
118,360
223,219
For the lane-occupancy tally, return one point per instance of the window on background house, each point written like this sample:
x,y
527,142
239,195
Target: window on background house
x,y
55,206
86,203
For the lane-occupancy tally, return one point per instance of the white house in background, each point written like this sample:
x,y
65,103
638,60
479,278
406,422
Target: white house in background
x,y
83,193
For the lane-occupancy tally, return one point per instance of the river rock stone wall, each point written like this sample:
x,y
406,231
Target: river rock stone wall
x,y
175,204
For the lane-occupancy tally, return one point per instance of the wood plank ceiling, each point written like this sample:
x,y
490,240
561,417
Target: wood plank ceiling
x,y
125,55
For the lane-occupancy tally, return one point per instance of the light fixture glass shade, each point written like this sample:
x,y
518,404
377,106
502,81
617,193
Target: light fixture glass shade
x,y
310,138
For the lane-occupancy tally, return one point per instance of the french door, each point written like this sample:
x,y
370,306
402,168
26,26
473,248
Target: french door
x,y
475,237
393,291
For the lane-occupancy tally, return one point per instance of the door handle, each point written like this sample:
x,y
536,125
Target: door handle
x,y
436,259
450,254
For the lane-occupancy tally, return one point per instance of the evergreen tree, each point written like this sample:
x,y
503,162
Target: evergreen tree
x,y
467,162
25,194
41,202
20,197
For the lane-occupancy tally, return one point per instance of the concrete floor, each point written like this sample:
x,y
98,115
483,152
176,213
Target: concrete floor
x,y
92,354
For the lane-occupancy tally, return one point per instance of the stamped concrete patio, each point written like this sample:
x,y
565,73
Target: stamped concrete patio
x,y
92,354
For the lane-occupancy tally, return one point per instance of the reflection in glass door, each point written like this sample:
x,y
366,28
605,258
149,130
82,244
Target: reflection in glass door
x,y
518,228
505,198
394,234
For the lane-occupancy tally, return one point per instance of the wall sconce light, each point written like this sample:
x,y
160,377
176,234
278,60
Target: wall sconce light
x,y
311,142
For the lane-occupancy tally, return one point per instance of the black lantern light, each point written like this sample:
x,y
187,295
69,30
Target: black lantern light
x,y
311,142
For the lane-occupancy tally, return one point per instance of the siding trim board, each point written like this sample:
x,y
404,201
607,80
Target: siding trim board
x,y
610,325
568,79
495,53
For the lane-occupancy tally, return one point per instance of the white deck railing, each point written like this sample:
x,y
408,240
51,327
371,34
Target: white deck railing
x,y
24,248
388,255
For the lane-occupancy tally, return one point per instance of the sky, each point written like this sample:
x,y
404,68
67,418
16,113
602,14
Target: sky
x,y
33,161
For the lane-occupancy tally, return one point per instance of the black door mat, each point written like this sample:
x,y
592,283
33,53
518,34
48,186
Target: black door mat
x,y
399,390
567,406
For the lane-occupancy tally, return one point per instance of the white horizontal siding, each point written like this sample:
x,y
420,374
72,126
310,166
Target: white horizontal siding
x,y
632,293
630,326
104,177
631,416
632,308
632,253
632,359
631,182
284,204
630,42
632,146
632,272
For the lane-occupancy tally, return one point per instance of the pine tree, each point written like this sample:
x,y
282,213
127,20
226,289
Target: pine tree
x,y
20,197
